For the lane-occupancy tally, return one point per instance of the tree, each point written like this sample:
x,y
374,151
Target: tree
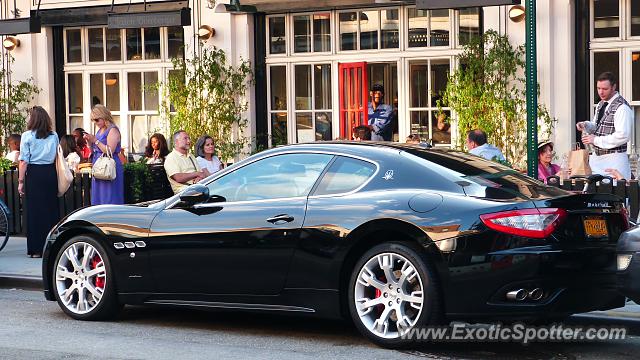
x,y
488,92
205,95
14,100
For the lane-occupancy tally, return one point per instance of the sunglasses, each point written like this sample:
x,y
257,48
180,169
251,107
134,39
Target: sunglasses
x,y
95,120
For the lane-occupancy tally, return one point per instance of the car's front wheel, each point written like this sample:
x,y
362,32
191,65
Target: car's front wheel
x,y
83,280
392,291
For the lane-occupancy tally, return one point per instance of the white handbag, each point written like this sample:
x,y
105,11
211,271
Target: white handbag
x,y
65,176
105,167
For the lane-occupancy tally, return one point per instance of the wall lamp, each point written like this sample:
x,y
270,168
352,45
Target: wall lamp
x,y
10,43
205,32
517,13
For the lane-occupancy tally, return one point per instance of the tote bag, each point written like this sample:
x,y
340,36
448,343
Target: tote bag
x,y
65,176
105,167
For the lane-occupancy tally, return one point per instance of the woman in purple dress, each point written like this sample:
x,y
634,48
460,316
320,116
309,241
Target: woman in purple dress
x,y
106,191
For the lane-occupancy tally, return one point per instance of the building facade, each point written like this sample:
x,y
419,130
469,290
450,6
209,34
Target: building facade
x,y
316,60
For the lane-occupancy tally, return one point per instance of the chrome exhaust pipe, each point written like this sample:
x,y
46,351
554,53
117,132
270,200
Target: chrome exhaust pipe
x,y
517,295
536,294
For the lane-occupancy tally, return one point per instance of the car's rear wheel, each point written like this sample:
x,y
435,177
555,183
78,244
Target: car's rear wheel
x,y
393,290
83,280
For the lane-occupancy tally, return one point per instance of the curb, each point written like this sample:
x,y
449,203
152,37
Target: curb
x,y
29,282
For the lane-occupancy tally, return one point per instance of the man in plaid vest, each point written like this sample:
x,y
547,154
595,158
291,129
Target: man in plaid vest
x,y
609,130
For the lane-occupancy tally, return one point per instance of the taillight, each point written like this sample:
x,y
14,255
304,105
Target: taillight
x,y
534,223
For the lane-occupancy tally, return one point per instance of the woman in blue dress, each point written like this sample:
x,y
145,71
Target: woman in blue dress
x,y
108,134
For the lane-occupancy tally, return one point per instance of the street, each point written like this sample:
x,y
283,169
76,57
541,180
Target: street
x,y
33,328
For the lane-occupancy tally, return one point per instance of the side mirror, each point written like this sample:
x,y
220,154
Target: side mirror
x,y
194,194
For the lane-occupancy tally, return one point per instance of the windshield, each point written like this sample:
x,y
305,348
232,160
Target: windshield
x,y
483,178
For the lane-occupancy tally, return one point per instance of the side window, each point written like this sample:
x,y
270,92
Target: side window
x,y
281,176
344,175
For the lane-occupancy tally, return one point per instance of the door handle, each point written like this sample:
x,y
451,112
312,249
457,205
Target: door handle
x,y
280,219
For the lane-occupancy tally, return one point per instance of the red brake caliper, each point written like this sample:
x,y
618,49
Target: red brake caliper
x,y
380,307
99,281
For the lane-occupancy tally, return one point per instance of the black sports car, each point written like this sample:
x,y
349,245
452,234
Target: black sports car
x,y
393,236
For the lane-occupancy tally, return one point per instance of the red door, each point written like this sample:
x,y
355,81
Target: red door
x,y
353,97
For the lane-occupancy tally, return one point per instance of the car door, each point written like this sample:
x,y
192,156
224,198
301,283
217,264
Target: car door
x,y
242,245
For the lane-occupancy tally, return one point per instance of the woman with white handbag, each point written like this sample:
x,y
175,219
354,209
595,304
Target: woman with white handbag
x,y
37,178
107,183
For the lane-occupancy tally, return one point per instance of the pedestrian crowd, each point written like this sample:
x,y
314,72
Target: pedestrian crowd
x,y
35,151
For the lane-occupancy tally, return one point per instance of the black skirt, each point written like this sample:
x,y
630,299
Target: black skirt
x,y
41,196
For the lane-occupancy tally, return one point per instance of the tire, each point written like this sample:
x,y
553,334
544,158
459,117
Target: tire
x,y
77,276
375,301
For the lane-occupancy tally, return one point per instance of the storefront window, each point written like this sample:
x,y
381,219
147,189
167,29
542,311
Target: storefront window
x,y
427,82
114,48
175,36
369,24
418,28
303,87
96,44
151,100
152,43
134,44
635,18
134,91
606,15
348,30
469,24
96,89
313,125
440,27
605,61
112,84
390,25
74,82
322,32
74,46
277,35
278,105
302,33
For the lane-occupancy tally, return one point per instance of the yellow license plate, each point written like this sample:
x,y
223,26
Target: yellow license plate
x,y
595,227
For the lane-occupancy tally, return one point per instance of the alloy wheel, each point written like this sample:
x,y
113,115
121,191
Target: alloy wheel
x,y
81,277
389,295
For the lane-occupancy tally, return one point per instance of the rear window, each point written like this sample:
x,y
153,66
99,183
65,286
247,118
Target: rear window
x,y
344,175
484,178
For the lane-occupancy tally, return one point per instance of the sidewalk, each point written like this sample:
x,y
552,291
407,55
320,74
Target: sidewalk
x,y
18,270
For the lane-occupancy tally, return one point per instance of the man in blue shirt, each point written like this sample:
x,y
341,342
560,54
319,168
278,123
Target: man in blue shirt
x,y
379,115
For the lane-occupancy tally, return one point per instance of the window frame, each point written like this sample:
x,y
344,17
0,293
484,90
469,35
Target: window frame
x,y
287,33
291,35
431,109
312,110
454,32
621,25
358,32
